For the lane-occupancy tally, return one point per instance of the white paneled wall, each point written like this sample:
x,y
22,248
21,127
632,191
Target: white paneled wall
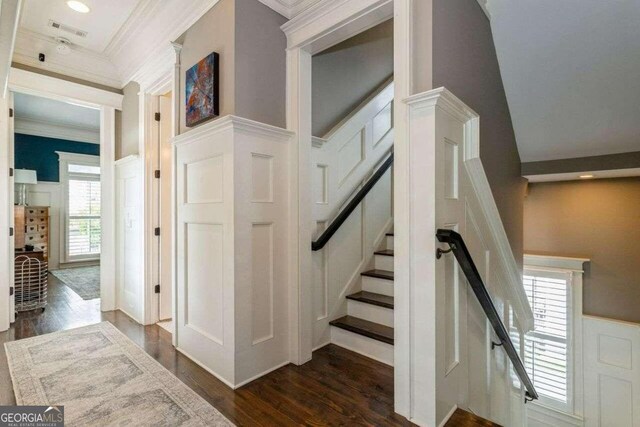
x,y
341,162
232,255
129,237
611,373
449,350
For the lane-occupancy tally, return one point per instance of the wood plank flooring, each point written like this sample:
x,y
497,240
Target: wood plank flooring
x,y
337,387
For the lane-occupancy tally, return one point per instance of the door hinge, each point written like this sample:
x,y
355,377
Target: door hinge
x,y
10,231
10,112
10,171
11,291
156,231
157,173
157,117
157,289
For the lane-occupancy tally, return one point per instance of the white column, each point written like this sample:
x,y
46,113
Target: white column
x,y
107,209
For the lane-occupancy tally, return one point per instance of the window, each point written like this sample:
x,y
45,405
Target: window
x,y
547,347
83,226
80,177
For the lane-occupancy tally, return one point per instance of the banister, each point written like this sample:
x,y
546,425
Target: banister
x,y
351,206
460,251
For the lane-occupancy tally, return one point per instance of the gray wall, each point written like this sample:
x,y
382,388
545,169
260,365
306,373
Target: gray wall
x,y
345,74
597,219
252,48
214,32
465,62
583,164
128,127
261,64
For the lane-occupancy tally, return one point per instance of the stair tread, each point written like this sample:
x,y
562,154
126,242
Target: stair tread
x,y
385,252
379,274
366,328
372,298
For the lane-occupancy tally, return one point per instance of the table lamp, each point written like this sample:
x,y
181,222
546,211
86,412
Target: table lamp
x,y
24,177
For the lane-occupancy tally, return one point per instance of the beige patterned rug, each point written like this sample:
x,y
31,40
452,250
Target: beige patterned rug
x,y
103,378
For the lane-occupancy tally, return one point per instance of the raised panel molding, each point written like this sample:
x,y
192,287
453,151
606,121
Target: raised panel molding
x,y
262,282
234,175
204,180
204,282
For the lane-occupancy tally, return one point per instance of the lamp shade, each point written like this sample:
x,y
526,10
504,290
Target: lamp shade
x,y
25,176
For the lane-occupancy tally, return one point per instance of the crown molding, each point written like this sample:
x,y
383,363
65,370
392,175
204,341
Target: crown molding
x,y
80,63
44,128
144,39
289,8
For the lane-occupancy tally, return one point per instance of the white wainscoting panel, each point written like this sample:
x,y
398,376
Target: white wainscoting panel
x,y
449,351
50,194
129,237
341,163
232,262
611,373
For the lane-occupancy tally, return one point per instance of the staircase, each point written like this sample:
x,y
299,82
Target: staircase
x,y
368,326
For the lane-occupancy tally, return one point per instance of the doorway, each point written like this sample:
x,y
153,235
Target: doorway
x,y
85,224
55,155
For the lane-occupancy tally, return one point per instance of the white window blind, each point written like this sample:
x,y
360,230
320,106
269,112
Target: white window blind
x,y
83,219
546,347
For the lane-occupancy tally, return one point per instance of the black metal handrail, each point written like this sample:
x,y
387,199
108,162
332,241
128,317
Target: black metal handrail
x,y
351,206
457,245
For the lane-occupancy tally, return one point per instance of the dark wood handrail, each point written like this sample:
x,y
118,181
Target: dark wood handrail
x,y
457,245
351,206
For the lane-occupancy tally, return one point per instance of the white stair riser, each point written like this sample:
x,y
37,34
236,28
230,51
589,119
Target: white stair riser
x,y
369,347
383,262
389,242
378,286
370,312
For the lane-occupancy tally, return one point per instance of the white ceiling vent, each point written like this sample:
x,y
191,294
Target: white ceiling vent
x,y
67,28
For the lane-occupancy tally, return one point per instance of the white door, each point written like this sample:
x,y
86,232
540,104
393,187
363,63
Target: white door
x,y
166,171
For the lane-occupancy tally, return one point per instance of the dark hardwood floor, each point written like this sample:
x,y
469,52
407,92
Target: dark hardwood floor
x,y
337,387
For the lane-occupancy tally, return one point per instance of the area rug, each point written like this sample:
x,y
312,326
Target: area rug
x,y
85,281
103,378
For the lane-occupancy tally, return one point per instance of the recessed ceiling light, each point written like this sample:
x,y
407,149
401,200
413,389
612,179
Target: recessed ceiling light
x,y
589,176
78,6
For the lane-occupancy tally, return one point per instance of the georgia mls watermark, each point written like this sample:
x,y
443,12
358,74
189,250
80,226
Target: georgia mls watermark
x,y
31,416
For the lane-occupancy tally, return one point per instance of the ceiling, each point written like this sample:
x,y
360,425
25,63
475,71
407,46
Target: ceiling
x,y
35,108
101,23
571,71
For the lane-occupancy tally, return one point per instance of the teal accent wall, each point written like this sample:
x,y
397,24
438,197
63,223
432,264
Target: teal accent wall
x,y
39,153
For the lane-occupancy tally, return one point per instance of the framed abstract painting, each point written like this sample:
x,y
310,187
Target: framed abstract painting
x,y
202,90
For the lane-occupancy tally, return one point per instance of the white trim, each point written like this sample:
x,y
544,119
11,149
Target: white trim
x,y
289,8
448,416
575,176
320,26
64,159
126,160
484,4
9,22
454,106
80,63
552,417
61,90
143,41
37,127
560,262
573,269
